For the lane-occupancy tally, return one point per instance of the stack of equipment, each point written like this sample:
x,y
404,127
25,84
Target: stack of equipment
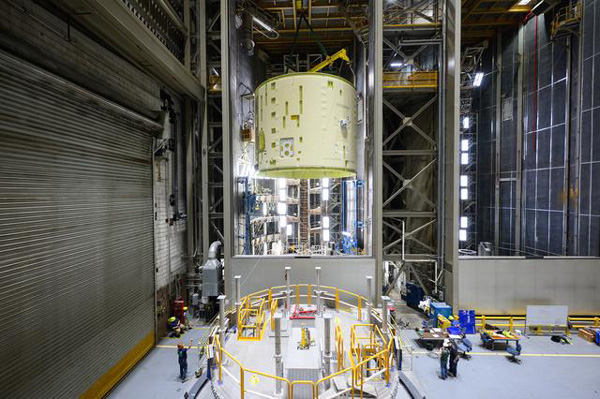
x,y
467,321
414,295
440,308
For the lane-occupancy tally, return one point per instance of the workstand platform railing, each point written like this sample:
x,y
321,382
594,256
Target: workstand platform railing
x,y
361,370
518,322
410,80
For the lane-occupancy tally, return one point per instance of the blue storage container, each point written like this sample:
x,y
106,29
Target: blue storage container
x,y
440,308
467,320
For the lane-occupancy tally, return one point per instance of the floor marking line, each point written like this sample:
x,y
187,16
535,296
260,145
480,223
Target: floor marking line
x,y
590,355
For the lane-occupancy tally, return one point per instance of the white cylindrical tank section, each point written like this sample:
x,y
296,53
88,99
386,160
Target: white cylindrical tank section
x,y
306,126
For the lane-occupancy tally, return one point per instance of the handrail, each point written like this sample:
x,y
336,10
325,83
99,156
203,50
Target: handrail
x,y
593,321
410,80
569,14
257,303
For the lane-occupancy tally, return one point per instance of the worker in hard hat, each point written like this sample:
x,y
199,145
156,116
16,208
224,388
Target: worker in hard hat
x,y
174,326
182,358
186,319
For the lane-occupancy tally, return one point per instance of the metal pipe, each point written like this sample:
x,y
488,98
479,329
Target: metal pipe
x,y
369,284
403,238
288,274
278,363
327,335
222,327
384,314
318,269
213,251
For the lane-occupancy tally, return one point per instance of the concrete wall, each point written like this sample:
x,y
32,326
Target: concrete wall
x,y
36,35
259,272
506,285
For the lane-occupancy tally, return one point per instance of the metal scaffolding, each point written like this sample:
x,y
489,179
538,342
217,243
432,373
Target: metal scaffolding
x,y
412,125
212,138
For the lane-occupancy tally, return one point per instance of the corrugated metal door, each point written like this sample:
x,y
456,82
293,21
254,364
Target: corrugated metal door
x,y
76,234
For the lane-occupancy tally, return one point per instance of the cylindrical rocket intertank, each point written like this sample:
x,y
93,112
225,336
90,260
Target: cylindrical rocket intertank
x,y
306,126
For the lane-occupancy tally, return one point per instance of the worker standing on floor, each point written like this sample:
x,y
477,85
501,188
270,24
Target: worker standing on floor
x,y
453,360
444,354
182,357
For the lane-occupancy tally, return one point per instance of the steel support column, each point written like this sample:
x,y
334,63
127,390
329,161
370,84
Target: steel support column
x,y
376,84
451,140
227,85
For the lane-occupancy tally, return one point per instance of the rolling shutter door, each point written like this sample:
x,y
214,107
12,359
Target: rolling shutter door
x,y
76,234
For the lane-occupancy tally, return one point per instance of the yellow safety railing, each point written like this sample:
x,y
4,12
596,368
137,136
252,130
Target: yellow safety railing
x,y
255,305
339,344
365,346
342,300
357,372
251,319
272,311
570,14
513,322
410,80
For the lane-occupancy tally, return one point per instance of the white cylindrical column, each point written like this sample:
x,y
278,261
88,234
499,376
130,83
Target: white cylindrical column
x,y
327,338
319,307
369,284
288,291
278,363
385,314
222,325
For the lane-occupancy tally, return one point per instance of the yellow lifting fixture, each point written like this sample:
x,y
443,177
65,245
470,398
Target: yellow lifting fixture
x,y
330,60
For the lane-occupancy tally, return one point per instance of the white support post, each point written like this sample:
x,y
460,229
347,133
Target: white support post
x,y
327,354
222,326
288,291
278,363
319,307
385,314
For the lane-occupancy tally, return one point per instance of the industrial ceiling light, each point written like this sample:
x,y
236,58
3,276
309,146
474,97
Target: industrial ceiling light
x,y
478,79
464,158
464,145
466,122
523,2
262,24
464,222
396,64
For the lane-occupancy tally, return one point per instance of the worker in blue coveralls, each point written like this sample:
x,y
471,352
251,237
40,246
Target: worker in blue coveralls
x,y
182,357
444,354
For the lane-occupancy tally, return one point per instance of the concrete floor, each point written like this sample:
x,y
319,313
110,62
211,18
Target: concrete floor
x,y
157,375
548,370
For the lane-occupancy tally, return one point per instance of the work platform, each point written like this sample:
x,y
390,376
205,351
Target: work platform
x,y
332,344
